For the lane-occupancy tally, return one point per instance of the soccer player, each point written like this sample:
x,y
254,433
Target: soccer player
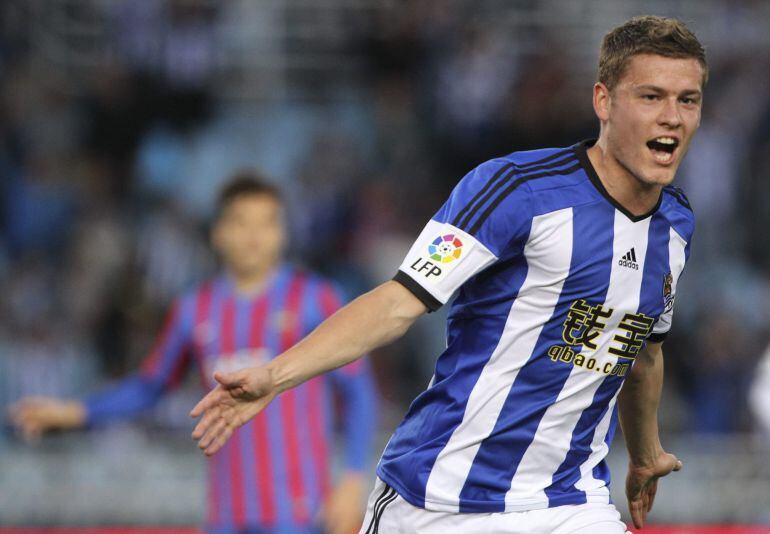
x,y
274,475
565,262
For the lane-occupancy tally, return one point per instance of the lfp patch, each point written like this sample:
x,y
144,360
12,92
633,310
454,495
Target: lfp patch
x,y
445,249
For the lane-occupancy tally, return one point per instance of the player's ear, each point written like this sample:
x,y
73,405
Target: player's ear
x,y
601,101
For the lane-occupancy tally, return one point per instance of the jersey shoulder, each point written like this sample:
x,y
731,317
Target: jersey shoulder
x,y
497,200
524,158
199,290
555,177
677,209
507,173
306,275
548,168
193,304
531,165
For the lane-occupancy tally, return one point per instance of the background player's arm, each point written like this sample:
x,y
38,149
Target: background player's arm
x,y
638,411
126,398
370,321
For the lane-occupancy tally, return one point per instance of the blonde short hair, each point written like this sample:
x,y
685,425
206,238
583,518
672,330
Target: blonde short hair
x,y
647,34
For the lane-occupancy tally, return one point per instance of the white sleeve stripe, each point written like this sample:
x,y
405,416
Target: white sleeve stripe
x,y
676,261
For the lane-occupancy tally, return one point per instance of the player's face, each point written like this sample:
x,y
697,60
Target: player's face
x,y
651,115
249,234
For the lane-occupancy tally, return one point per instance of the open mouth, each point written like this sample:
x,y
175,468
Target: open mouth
x,y
663,148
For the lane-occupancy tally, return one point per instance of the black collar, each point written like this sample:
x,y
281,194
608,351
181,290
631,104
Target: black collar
x,y
582,155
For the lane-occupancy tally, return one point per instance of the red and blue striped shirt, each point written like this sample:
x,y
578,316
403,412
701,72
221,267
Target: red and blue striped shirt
x,y
274,472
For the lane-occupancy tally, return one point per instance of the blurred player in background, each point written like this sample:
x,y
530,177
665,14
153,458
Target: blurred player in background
x,y
274,476
567,262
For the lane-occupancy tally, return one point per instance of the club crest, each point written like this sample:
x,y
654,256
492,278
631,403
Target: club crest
x,y
668,293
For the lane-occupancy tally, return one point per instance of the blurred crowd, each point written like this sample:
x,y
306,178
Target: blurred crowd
x,y
108,179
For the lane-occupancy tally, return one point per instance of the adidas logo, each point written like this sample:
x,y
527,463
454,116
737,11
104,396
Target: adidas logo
x,y
629,260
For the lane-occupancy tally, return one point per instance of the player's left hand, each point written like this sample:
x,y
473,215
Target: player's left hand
x,y
341,514
642,484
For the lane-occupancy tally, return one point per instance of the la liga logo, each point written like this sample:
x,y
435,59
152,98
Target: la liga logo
x,y
445,249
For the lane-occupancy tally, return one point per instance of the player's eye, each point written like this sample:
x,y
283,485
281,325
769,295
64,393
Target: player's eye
x,y
650,97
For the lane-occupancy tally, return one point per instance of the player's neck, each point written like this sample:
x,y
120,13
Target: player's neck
x,y
251,282
637,197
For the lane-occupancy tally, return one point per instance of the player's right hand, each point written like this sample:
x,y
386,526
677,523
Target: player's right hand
x,y
239,396
33,416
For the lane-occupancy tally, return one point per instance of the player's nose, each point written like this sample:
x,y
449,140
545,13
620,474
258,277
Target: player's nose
x,y
670,114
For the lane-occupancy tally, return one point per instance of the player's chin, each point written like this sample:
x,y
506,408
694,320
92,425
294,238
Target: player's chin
x,y
248,265
661,179
661,174
658,175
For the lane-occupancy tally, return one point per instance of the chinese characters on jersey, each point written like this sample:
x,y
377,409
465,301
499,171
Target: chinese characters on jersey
x,y
585,323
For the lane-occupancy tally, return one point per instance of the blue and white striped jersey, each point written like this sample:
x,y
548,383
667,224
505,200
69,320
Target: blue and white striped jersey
x,y
558,288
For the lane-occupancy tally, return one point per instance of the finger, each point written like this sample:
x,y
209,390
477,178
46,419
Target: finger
x,y
329,523
16,414
216,429
220,441
26,422
13,410
209,401
209,417
644,505
23,403
652,491
333,519
202,405
642,508
636,513
31,404
678,465
31,433
206,403
23,409
23,427
335,524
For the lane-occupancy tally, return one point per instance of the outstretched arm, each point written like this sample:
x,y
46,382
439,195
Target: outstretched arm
x,y
126,398
456,244
638,410
370,321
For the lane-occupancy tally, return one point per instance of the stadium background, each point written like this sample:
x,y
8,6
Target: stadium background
x,y
119,121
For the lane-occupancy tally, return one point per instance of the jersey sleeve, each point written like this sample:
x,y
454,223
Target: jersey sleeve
x,y
679,252
160,371
356,388
486,218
